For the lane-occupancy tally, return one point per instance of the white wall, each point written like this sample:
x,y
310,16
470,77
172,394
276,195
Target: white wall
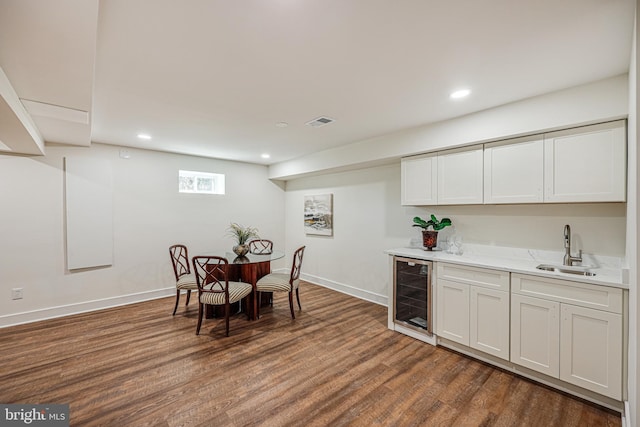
x,y
368,219
149,216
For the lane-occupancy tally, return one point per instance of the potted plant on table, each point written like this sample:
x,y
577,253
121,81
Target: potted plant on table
x,y
242,235
430,237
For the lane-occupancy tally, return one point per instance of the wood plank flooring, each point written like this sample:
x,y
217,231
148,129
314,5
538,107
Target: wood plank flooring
x,y
336,364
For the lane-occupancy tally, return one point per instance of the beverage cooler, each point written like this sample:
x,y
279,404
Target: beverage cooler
x,y
412,294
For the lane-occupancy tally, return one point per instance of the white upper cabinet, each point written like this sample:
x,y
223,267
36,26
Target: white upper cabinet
x,y
513,171
586,164
460,176
419,180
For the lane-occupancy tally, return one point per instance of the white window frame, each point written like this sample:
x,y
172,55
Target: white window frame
x,y
217,179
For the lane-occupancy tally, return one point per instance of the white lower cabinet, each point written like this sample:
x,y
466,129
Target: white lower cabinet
x,y
591,349
558,332
453,311
473,308
535,330
489,321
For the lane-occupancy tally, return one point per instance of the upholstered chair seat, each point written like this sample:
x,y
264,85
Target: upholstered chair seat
x,y
187,282
214,288
237,291
282,282
277,282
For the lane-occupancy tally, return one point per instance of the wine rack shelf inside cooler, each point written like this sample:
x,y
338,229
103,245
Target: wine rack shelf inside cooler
x,y
413,293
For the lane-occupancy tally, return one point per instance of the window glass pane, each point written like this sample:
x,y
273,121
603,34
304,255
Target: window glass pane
x,y
200,182
186,183
205,184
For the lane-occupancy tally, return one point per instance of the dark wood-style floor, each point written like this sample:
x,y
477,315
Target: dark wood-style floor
x,y
336,364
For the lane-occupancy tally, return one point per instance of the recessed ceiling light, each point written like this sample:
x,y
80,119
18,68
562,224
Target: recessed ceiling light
x,y
144,136
282,124
460,93
265,156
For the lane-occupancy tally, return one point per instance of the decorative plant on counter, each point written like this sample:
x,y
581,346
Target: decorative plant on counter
x,y
430,237
242,235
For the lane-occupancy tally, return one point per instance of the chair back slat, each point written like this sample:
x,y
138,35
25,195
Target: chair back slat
x,y
180,260
261,246
211,274
296,266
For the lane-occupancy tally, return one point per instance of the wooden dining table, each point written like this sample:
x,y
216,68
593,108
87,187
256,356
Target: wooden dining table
x,y
248,269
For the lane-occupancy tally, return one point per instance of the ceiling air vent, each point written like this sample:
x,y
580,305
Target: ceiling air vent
x,y
320,121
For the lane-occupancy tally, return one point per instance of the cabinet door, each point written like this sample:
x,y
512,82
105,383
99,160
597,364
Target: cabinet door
x,y
453,311
460,177
591,350
587,164
489,321
535,334
418,180
513,172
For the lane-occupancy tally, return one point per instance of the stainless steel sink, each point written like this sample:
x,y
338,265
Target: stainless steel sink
x,y
578,270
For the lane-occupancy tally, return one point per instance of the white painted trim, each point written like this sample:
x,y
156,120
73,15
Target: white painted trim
x,y
101,304
626,417
415,334
83,307
31,142
347,289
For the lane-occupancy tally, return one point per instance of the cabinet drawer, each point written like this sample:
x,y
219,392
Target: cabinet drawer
x,y
580,294
483,277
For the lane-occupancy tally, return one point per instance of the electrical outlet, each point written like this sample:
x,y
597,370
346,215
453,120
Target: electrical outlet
x,y
16,293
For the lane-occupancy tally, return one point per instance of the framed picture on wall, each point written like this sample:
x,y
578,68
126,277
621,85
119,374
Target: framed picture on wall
x,y
318,215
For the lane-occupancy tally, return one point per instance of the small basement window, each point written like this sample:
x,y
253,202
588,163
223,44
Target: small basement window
x,y
200,182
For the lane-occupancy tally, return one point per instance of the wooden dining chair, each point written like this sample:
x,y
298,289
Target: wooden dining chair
x,y
185,281
284,282
261,247
214,288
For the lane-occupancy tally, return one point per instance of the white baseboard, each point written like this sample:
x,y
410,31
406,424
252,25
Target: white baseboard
x,y
346,289
82,307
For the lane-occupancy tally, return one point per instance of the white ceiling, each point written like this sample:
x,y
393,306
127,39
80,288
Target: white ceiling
x,y
212,78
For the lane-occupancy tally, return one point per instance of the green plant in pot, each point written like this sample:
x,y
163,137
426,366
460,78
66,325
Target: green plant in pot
x,y
430,237
242,235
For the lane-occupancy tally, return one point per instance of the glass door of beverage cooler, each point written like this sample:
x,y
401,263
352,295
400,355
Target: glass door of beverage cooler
x,y
412,293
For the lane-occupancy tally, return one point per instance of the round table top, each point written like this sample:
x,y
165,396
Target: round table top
x,y
248,258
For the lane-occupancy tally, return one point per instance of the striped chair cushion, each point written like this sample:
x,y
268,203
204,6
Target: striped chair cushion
x,y
237,291
188,281
276,282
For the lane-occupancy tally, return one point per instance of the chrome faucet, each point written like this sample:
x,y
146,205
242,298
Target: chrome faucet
x,y
568,258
